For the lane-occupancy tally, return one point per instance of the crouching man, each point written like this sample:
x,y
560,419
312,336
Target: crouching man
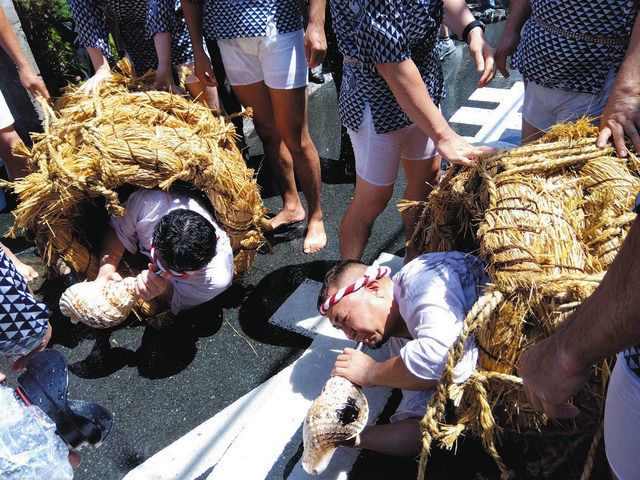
x,y
191,260
420,311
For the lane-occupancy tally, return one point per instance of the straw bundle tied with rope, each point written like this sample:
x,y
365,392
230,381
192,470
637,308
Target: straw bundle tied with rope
x,y
548,218
130,136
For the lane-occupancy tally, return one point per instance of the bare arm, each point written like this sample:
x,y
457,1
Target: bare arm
x,y
315,41
193,11
164,77
363,370
606,323
110,256
28,77
407,86
519,13
622,113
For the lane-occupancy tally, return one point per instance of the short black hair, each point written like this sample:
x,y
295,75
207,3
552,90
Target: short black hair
x,y
184,240
333,277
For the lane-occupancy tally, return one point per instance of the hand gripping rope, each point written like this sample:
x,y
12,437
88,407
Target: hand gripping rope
x,y
372,273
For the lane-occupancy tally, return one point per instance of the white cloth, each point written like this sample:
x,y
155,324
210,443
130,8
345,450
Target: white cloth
x,y
434,292
622,422
378,154
278,59
544,107
145,208
6,119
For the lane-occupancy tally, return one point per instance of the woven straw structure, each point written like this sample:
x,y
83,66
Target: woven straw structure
x,y
548,218
128,135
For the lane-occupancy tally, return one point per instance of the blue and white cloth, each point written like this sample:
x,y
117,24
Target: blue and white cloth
x,y
226,19
572,45
371,32
136,22
23,320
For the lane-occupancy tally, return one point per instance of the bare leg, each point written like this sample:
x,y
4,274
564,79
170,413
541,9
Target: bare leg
x,y
529,133
421,177
16,167
290,110
398,439
257,96
368,202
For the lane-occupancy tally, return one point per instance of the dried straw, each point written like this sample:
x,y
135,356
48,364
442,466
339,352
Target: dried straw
x,y
129,135
548,218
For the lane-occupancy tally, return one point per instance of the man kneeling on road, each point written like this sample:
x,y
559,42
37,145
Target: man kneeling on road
x,y
420,311
191,256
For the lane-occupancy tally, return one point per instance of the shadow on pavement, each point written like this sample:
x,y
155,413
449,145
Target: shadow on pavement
x,y
267,296
161,352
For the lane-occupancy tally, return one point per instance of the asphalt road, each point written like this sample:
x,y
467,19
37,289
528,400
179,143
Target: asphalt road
x,y
160,384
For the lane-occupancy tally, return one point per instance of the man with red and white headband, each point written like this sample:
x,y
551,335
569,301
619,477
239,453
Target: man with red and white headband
x,y
191,260
420,311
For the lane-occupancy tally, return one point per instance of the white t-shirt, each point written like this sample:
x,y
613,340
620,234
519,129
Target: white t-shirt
x,y
145,208
434,292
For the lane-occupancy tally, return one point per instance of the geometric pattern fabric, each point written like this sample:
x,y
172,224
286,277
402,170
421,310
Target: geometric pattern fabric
x,y
227,19
23,320
371,32
568,57
133,23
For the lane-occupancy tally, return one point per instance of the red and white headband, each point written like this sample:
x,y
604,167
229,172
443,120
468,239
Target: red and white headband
x,y
373,272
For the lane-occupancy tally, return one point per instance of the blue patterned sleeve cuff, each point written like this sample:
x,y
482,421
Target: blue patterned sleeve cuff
x,y
382,38
91,25
159,17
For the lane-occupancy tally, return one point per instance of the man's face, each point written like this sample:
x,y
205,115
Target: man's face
x,y
362,316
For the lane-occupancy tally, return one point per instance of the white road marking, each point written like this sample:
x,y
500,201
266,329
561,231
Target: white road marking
x,y
246,439
494,122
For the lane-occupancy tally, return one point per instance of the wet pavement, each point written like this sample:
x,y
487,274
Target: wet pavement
x,y
161,384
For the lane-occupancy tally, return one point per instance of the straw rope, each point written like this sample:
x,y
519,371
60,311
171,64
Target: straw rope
x,y
548,218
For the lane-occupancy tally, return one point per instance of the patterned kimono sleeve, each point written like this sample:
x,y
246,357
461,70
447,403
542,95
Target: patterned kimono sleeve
x,y
160,16
381,37
91,25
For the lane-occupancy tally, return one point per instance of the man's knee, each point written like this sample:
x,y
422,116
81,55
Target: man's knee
x,y
371,203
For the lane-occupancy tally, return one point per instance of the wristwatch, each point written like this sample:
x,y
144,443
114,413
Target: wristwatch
x,y
636,207
471,26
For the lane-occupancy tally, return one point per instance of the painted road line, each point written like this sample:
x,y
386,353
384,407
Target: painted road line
x,y
246,439
472,116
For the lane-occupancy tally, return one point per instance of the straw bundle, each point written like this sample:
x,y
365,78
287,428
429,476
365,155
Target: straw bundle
x,y
127,135
548,218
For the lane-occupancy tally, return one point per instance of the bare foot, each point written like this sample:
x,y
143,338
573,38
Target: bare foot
x,y
316,237
287,217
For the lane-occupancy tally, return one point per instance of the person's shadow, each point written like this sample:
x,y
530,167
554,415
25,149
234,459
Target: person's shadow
x,y
161,352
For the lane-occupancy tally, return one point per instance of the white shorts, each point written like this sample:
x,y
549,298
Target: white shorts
x,y
622,421
378,154
544,107
277,58
6,119
413,403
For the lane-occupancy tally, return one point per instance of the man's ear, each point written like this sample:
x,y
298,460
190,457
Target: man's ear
x,y
375,288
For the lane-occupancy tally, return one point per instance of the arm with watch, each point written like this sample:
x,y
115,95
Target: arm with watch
x,y
409,90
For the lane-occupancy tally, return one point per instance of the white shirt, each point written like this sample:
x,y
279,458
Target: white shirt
x,y
434,292
145,208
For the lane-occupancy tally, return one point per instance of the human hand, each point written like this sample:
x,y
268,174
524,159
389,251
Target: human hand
x,y
108,273
33,83
149,285
27,271
355,366
20,363
548,380
164,81
457,150
91,86
315,45
507,47
203,70
482,55
621,116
